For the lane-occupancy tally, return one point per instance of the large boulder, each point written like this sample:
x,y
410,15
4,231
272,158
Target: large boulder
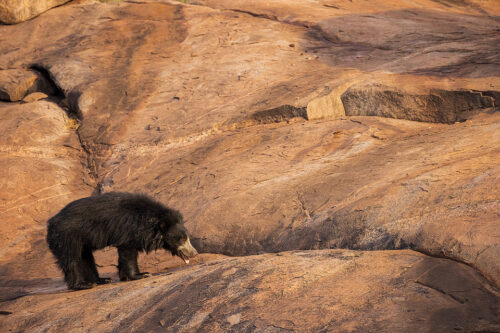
x,y
16,11
42,166
299,291
273,126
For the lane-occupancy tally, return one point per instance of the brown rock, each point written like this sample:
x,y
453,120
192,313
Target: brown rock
x,y
34,97
329,184
264,147
329,290
184,97
16,11
435,106
15,84
41,162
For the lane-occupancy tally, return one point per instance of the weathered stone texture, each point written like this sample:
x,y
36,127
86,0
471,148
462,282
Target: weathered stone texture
x,y
16,11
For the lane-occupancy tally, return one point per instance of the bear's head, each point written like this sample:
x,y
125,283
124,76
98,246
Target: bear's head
x,y
176,240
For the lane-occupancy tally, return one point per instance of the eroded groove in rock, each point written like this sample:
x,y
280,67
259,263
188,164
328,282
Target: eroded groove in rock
x,y
279,114
496,98
436,106
50,87
265,16
68,101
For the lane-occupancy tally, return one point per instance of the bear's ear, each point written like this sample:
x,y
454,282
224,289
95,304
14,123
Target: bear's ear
x,y
171,218
176,217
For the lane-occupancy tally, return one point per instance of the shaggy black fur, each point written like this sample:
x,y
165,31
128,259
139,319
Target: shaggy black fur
x,y
129,222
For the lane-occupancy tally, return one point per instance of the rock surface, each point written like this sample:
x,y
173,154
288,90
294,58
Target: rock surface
x,y
273,126
15,84
33,97
359,183
434,105
41,162
16,11
312,291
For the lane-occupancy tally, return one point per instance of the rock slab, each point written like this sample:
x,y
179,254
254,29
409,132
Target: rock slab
x,y
15,84
256,120
16,11
298,291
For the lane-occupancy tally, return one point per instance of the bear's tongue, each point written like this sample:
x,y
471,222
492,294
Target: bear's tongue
x,y
184,257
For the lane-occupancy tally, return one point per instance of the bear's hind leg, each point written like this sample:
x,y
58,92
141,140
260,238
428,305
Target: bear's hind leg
x,y
74,271
67,249
127,265
91,274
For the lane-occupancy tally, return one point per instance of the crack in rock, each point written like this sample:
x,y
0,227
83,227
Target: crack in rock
x,y
436,106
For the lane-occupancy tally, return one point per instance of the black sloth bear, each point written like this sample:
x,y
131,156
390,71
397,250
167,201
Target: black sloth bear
x,y
129,222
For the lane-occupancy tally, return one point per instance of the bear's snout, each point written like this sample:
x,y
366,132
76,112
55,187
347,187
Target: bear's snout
x,y
186,251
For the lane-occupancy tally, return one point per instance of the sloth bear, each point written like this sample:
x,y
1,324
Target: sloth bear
x,y
129,222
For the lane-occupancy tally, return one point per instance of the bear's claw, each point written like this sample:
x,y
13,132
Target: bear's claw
x,y
104,281
83,286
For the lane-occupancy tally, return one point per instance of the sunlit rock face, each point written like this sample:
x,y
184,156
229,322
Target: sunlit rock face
x,y
273,126
17,11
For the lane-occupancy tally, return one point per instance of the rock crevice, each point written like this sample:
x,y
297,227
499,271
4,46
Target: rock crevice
x,y
435,106
69,102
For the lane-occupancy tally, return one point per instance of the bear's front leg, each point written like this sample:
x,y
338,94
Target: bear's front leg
x,y
101,280
74,276
127,265
90,268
